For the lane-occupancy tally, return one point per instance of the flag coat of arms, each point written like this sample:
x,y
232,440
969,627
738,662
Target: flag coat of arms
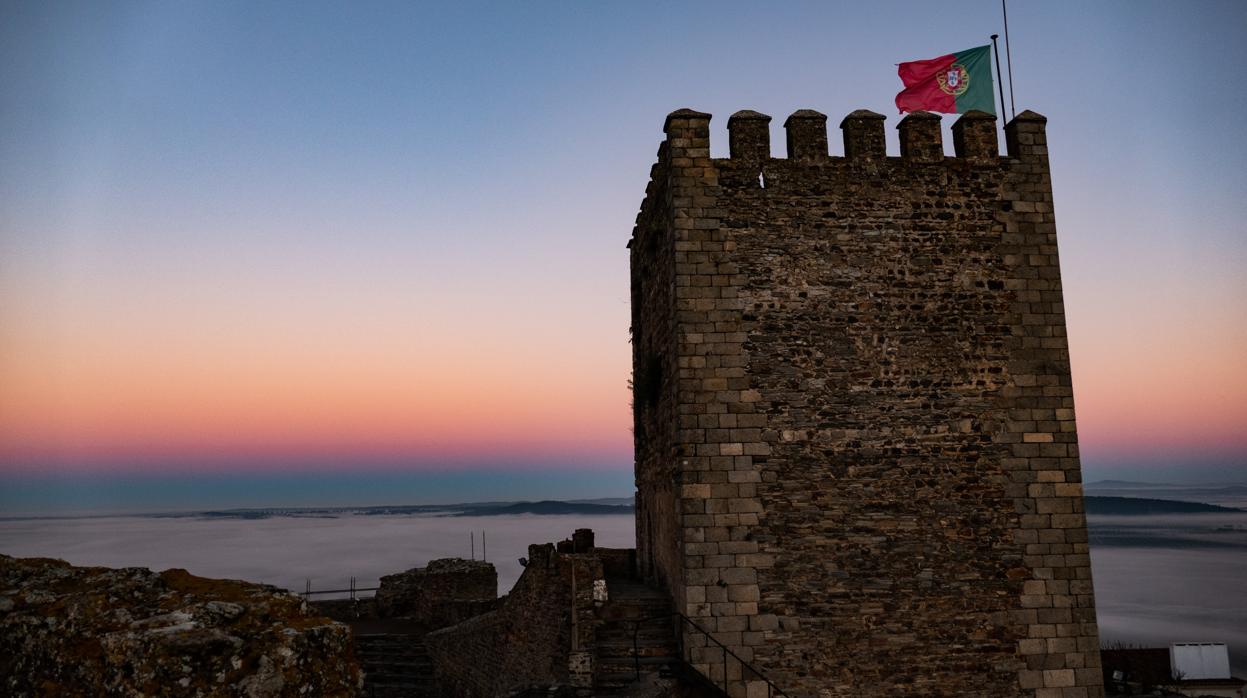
x,y
952,84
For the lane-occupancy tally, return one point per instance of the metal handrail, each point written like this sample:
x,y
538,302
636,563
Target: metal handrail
x,y
771,689
636,644
307,592
337,591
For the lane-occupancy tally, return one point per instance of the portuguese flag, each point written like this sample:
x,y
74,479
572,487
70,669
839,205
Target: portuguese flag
x,y
952,84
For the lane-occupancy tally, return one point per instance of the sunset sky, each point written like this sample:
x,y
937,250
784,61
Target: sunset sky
x,y
380,250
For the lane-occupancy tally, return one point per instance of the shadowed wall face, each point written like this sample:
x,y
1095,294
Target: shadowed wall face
x,y
877,478
655,367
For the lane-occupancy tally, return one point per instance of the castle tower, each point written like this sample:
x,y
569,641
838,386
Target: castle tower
x,y
856,456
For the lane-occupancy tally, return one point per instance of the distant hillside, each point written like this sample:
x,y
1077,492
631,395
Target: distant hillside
x,y
1127,485
549,507
1229,488
619,501
1139,506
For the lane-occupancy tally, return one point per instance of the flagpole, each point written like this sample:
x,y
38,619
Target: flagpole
x,y
999,81
1008,59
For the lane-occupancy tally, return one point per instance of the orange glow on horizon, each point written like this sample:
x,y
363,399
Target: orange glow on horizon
x,y
457,396
271,381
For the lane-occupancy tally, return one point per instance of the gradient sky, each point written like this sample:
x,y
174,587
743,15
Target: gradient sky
x,y
351,238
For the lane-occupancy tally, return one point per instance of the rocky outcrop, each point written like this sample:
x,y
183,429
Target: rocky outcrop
x,y
70,631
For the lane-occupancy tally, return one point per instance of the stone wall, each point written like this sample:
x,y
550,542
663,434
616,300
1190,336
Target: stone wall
x,y
444,592
541,634
655,367
873,483
93,631
469,658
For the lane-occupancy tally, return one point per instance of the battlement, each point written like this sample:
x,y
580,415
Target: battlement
x,y
749,137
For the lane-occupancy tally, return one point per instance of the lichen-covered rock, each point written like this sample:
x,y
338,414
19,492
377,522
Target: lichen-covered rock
x,y
90,631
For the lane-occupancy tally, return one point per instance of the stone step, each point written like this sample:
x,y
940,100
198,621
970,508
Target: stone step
x,y
621,681
610,664
414,662
391,654
622,643
638,597
623,612
399,667
398,691
621,631
657,653
393,678
628,587
395,665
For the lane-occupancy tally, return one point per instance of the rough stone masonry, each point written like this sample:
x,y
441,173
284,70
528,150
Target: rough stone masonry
x,y
856,455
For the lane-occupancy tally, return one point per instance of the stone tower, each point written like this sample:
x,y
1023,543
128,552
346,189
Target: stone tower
x,y
856,456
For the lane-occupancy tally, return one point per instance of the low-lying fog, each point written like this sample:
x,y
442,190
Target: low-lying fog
x,y
287,551
1158,579
1172,578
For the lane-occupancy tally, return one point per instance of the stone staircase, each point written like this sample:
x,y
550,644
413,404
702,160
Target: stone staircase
x,y
638,631
395,666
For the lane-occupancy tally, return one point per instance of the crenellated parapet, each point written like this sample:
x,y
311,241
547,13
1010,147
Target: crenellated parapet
x,y
749,136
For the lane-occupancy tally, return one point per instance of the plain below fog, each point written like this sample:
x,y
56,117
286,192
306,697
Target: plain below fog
x,y
1158,579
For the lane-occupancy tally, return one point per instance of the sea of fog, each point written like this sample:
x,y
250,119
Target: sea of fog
x,y
1172,578
1158,579
286,551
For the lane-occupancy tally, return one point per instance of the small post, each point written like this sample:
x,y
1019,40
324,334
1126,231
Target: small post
x,y
1013,110
484,556
307,588
1000,79
575,630
472,537
636,651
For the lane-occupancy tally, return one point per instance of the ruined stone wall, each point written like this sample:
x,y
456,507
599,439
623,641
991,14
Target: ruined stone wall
x,y
879,487
442,593
531,639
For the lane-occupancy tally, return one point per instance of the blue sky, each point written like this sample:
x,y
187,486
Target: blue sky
x,y
213,215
